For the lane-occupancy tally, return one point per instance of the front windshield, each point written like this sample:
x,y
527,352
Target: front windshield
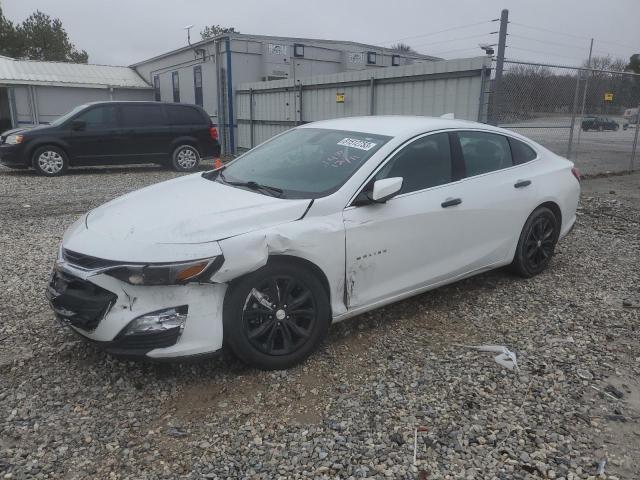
x,y
305,162
67,116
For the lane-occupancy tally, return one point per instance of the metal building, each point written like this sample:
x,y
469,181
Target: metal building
x,y
208,72
33,92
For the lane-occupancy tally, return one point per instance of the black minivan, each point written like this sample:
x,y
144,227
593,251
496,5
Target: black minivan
x,y
109,133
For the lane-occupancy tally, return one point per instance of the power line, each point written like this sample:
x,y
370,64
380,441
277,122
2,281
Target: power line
x,y
572,35
440,31
515,35
451,41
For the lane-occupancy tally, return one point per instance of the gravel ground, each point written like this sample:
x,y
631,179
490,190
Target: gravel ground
x,y
69,411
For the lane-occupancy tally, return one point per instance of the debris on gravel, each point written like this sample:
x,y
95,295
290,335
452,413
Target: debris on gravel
x,y
570,410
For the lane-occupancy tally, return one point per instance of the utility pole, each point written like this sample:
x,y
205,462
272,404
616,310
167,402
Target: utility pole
x,y
502,43
584,95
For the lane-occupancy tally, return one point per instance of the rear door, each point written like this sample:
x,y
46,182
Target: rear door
x,y
92,135
497,196
145,134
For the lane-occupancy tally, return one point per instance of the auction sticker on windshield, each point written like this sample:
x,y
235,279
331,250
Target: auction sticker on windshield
x,y
355,143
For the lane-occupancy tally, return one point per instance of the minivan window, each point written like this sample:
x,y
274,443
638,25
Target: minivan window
x,y
521,152
142,115
305,162
422,164
179,115
96,118
484,152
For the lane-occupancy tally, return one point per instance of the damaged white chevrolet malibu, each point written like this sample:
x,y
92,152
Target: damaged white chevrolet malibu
x,y
321,223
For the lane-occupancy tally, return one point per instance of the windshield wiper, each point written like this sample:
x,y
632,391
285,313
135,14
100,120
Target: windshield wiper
x,y
274,191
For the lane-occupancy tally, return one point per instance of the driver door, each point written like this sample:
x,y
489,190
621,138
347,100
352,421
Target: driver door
x,y
413,239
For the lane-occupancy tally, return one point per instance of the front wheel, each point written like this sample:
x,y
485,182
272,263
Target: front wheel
x,y
185,158
50,161
537,243
275,317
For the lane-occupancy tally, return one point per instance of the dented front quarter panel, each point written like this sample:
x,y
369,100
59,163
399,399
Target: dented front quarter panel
x,y
317,239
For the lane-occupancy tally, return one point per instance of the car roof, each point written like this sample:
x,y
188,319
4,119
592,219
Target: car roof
x,y
398,125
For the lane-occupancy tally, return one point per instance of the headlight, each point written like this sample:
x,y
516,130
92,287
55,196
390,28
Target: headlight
x,y
167,274
160,321
14,139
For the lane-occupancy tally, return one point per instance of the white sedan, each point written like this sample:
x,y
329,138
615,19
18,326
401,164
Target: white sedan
x,y
321,223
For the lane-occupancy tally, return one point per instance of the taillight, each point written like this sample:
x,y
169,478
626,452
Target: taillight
x,y
576,173
213,131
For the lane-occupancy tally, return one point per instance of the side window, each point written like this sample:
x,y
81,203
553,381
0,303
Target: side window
x,y
423,163
99,117
521,152
156,88
142,115
175,79
197,84
179,115
484,152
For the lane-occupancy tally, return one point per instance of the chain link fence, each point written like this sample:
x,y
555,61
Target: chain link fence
x,y
587,115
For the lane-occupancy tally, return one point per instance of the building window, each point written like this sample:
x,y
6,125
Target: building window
x,y
197,84
371,58
176,86
298,50
156,87
395,60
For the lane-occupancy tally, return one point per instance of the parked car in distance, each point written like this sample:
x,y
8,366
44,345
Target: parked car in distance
x,y
112,133
599,123
321,223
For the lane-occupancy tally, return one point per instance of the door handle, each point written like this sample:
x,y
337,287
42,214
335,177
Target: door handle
x,y
522,183
451,202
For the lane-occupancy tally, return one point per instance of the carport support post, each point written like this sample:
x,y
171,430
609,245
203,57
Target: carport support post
x,y
502,43
251,116
635,142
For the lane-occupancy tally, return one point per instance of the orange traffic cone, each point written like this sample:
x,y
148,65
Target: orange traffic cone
x,y
217,163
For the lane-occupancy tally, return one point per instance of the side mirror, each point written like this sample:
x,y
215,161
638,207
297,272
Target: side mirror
x,y
78,125
379,192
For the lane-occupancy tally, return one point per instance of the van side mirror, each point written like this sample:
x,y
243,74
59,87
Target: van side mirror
x,y
379,192
78,125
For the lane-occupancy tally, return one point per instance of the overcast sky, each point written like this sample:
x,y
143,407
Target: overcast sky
x,y
121,32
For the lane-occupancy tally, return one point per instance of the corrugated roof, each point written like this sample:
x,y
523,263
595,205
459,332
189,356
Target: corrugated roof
x,y
68,74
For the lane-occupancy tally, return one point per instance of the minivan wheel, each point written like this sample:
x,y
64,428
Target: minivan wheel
x,y
50,161
275,317
537,243
185,158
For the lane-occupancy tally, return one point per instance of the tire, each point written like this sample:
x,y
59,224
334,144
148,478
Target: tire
x,y
270,329
50,161
185,158
537,243
616,128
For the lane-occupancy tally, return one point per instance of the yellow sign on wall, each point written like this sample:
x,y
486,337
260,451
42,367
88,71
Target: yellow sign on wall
x,y
339,97
608,97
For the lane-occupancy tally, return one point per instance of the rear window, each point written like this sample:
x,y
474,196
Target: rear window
x,y
142,115
179,115
521,152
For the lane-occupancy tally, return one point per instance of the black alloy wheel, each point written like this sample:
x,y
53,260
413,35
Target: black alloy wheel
x,y
277,316
537,243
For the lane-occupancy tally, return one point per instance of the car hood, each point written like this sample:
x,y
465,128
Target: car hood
x,y
190,210
13,131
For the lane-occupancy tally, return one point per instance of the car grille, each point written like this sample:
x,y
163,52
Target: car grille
x,y
78,302
87,262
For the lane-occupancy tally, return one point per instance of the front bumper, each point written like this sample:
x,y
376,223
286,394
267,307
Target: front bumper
x,y
12,155
99,308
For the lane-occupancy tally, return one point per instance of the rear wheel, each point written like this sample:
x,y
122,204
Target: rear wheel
x,y
50,161
537,243
277,316
185,158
